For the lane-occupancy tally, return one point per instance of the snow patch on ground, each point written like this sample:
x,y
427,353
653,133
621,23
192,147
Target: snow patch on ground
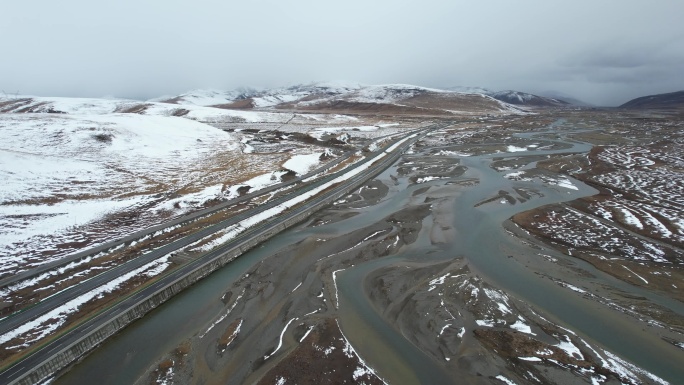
x,y
521,326
280,339
637,275
302,164
49,219
514,175
500,299
257,183
631,219
428,179
515,149
531,359
570,348
438,281
565,183
505,380
334,277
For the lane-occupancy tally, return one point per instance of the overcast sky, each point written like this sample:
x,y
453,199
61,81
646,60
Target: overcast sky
x,y
604,52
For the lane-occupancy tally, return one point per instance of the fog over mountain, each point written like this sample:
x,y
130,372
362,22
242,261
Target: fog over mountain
x,y
604,53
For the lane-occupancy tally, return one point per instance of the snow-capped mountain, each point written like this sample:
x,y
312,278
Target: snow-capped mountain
x,y
280,96
352,98
525,99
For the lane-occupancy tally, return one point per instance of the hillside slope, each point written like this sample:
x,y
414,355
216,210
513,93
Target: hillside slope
x,y
525,99
669,100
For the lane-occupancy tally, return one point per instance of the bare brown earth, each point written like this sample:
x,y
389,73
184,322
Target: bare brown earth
x,y
247,103
322,357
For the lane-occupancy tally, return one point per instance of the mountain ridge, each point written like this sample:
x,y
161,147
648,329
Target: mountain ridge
x,y
350,98
657,101
527,99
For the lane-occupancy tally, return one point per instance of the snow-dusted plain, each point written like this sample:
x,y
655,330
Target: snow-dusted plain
x,y
579,230
640,221
653,190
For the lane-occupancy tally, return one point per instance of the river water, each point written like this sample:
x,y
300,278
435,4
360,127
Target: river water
x,y
480,237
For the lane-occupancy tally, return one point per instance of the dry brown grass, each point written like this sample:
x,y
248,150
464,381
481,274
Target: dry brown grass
x,y
228,335
243,104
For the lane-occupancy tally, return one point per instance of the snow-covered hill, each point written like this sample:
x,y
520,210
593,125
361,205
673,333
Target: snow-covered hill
x,y
91,106
65,171
247,98
354,98
296,93
387,93
358,98
208,97
525,99
77,172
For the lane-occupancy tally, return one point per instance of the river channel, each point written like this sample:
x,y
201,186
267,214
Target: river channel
x,y
479,237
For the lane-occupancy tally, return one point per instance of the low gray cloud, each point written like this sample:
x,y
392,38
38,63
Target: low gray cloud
x,y
604,52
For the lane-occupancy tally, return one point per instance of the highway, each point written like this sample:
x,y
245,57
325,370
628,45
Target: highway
x,y
24,367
